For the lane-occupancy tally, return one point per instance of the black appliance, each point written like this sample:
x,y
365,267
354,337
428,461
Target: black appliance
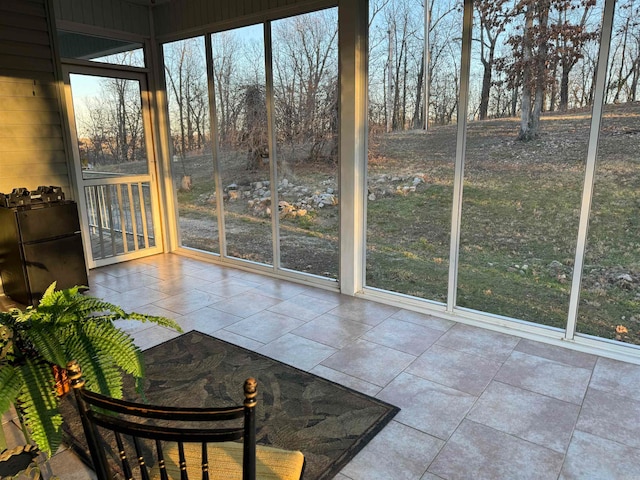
x,y
40,243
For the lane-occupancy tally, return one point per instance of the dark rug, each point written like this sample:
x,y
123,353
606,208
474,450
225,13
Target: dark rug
x,y
296,410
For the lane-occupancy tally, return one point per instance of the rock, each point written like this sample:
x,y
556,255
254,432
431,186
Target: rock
x,y
372,197
330,191
258,185
233,186
625,277
417,181
284,182
328,199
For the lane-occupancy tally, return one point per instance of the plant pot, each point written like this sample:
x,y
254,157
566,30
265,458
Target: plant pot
x,y
62,381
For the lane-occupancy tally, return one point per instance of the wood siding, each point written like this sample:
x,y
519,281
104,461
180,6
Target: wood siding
x,y
115,15
32,148
176,18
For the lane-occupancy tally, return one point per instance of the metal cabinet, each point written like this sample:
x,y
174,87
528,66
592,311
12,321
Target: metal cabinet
x,y
40,244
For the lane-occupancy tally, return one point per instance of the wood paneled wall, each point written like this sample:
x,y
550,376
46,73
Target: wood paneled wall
x,y
115,15
32,148
176,18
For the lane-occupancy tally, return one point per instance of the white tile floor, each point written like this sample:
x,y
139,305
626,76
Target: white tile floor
x,y
475,403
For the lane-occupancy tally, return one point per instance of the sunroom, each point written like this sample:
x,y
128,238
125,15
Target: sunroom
x,y
471,161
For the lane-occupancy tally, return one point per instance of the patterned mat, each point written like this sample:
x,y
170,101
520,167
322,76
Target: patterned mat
x,y
329,423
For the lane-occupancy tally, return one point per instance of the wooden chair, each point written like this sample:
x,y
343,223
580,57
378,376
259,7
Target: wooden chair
x,y
185,442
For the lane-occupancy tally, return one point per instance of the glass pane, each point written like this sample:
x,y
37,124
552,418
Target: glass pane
x,y
410,169
305,65
610,294
192,160
100,49
108,115
530,109
241,109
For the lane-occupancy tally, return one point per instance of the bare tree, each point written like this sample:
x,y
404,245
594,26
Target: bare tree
x,y
540,45
226,53
624,70
305,77
185,74
570,40
493,19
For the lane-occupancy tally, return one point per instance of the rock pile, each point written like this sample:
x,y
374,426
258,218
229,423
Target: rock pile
x,y
386,185
299,200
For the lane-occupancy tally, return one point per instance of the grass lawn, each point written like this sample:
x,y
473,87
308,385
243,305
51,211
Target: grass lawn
x,y
519,223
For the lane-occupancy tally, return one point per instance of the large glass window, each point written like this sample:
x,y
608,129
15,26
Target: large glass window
x,y
192,159
305,79
109,124
610,294
243,148
520,161
527,142
410,167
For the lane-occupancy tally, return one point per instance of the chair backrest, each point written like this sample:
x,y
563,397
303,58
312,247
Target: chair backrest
x,y
135,423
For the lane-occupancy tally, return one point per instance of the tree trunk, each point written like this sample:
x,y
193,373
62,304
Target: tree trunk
x,y
416,120
486,88
564,88
541,72
527,54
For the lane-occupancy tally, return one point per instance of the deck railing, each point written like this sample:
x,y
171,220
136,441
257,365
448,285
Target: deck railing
x,y
120,217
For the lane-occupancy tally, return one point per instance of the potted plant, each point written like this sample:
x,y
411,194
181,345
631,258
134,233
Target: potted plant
x,y
36,343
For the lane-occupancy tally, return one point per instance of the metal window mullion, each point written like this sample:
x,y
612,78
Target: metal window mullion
x,y
427,61
271,133
458,179
213,125
590,168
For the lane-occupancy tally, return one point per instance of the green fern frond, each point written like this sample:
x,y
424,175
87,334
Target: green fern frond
x,y
38,405
114,343
101,375
47,341
49,295
10,384
103,352
162,321
66,325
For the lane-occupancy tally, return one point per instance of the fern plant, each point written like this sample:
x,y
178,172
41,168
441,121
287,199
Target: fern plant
x,y
66,325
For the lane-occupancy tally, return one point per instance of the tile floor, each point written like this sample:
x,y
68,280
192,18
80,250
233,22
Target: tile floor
x,y
476,404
